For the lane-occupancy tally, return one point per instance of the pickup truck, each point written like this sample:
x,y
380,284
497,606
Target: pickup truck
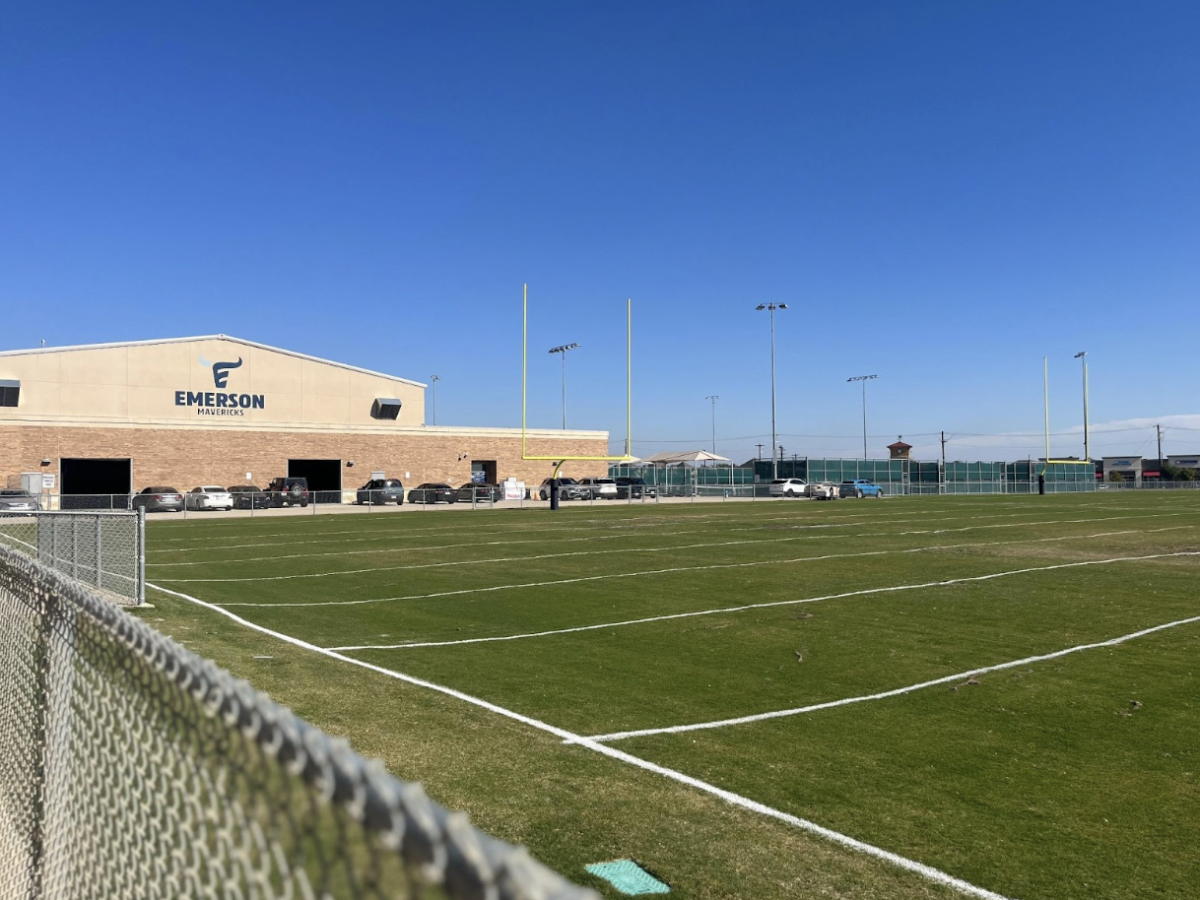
x,y
861,487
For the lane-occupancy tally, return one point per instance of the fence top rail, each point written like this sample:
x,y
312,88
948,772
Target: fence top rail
x,y
107,513
441,845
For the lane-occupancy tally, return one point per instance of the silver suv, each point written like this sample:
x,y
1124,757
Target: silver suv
x,y
568,489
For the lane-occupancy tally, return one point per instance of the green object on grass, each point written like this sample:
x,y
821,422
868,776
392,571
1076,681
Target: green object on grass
x,y
628,877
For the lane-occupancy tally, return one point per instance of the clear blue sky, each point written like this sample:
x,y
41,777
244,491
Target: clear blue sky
x,y
943,193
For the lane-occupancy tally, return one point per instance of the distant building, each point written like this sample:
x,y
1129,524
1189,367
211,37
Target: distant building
x,y
1129,467
109,419
899,450
1185,462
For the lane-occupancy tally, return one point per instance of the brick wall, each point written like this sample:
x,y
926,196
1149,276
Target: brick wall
x,y
184,458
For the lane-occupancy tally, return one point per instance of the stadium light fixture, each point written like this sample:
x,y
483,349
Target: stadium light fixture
x,y
864,379
771,307
562,349
713,398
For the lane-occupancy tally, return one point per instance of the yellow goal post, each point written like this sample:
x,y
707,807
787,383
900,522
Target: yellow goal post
x,y
559,460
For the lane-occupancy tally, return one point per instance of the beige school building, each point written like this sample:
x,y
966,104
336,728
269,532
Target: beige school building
x,y
115,418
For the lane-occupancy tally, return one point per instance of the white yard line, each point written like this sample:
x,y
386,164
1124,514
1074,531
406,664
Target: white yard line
x,y
611,576
1026,524
768,605
949,679
405,528
928,872
477,562
844,521
408,548
621,550
400,535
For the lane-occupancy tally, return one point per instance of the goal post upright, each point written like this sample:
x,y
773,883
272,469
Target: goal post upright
x,y
560,459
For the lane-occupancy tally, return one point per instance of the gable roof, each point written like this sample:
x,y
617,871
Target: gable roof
x,y
211,337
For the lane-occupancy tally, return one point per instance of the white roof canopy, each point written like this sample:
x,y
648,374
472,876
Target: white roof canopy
x,y
685,456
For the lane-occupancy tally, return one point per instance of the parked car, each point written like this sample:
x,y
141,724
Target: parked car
x,y
568,489
788,487
381,490
18,501
603,488
432,492
635,489
823,490
158,499
861,487
288,491
208,497
480,492
247,496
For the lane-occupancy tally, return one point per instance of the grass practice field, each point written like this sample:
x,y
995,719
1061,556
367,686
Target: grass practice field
x,y
1000,692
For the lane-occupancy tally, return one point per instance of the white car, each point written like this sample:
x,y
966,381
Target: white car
x,y
824,490
18,501
788,487
208,497
601,488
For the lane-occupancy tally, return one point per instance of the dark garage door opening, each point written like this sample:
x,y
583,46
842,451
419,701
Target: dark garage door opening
x,y
95,483
324,478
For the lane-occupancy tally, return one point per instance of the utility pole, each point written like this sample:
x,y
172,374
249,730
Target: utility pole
x,y
1158,428
943,450
759,446
434,379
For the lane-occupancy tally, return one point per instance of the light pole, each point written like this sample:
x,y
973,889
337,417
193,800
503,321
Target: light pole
x,y
714,398
434,379
864,379
1087,455
771,307
563,350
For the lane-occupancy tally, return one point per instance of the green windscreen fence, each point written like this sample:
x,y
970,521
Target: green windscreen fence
x,y
896,476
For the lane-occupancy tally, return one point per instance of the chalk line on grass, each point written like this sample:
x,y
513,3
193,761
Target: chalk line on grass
x,y
622,550
379,551
585,579
930,873
767,605
411,549
372,534
882,695
477,562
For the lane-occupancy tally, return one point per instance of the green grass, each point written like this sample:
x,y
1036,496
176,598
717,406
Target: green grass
x,y
1068,778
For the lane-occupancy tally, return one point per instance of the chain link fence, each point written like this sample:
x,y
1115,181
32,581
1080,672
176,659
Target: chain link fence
x,y
103,549
131,767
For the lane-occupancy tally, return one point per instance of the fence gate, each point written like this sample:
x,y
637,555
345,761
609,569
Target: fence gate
x,y
103,549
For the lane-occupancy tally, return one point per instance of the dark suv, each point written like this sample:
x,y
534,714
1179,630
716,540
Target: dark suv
x,y
381,490
635,489
288,491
